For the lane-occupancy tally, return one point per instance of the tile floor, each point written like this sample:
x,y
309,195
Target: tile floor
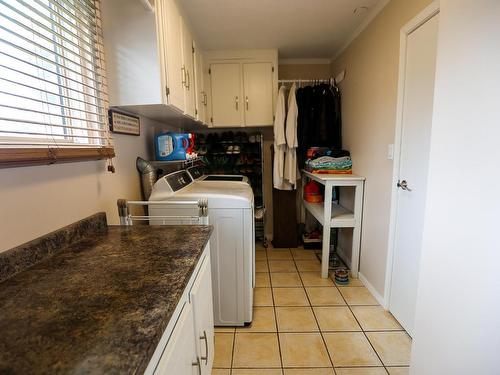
x,y
306,325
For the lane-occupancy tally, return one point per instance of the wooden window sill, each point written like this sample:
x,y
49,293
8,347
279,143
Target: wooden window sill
x,y
21,157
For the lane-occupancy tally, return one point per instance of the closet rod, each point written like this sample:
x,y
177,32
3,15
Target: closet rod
x,y
330,80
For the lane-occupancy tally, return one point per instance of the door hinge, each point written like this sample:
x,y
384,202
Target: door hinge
x,y
167,91
272,69
209,71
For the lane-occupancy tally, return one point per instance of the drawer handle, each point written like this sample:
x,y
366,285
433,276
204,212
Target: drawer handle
x,y
204,337
197,363
188,84
183,72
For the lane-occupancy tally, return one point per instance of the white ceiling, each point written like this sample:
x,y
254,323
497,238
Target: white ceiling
x,y
298,28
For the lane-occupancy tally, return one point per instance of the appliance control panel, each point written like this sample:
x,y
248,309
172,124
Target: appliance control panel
x,y
196,171
178,180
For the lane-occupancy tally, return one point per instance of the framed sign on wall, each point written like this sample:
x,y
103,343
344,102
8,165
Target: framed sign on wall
x,y
124,123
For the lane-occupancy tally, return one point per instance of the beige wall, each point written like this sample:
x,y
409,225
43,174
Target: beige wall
x,y
304,71
37,200
369,96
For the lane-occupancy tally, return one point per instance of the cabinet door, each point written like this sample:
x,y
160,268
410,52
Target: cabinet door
x,y
188,65
173,51
200,94
179,356
227,104
201,298
258,91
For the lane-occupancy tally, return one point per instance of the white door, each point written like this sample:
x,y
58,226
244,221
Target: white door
x,y
179,356
173,52
227,104
188,65
201,298
258,89
416,122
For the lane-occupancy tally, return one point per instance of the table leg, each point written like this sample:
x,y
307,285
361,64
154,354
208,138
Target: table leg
x,y
326,230
356,232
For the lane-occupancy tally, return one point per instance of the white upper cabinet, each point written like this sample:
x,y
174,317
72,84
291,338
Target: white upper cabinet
x,y
243,86
226,94
200,93
150,60
258,91
188,70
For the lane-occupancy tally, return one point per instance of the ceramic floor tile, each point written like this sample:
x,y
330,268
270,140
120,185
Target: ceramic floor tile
x,y
296,319
392,347
308,371
301,254
357,296
324,296
350,349
285,279
223,350
398,370
290,297
263,321
375,318
279,254
224,329
260,255
261,266
336,319
260,371
303,350
315,279
282,266
361,371
262,280
256,350
262,297
308,265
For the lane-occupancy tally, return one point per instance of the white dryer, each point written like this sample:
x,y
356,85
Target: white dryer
x,y
232,245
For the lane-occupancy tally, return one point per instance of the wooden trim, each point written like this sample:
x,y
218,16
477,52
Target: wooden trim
x,y
22,156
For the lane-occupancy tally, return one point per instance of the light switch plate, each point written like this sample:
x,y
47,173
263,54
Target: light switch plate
x,y
390,152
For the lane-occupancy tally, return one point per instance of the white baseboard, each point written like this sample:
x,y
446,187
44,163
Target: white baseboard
x,y
372,290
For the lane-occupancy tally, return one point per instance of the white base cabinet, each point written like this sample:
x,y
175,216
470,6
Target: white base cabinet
x,y
187,345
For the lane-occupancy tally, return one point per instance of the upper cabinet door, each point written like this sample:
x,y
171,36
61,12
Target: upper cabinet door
x,y
227,103
188,71
173,54
258,92
199,80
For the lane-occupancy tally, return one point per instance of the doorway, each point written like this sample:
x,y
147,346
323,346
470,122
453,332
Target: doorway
x,y
412,147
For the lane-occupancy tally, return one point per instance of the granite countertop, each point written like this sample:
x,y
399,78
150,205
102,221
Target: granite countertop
x,y
101,304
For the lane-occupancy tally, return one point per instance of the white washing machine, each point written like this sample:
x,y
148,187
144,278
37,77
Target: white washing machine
x,y
198,174
232,245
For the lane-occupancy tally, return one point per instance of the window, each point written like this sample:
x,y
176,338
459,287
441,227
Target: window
x,y
53,102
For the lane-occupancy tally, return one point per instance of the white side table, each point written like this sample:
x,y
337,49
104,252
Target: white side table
x,y
332,215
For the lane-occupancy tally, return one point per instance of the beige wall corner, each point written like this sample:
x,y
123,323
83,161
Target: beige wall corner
x,y
369,99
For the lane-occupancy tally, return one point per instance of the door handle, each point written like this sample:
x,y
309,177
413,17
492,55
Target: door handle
x,y
197,363
236,102
204,337
246,100
183,72
188,84
403,185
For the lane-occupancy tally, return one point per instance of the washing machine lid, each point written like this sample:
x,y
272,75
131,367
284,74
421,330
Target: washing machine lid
x,y
224,177
180,186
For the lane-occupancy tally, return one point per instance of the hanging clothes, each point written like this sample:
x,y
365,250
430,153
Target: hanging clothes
x,y
290,173
280,143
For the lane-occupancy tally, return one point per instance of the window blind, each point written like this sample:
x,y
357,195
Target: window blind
x,y
52,75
